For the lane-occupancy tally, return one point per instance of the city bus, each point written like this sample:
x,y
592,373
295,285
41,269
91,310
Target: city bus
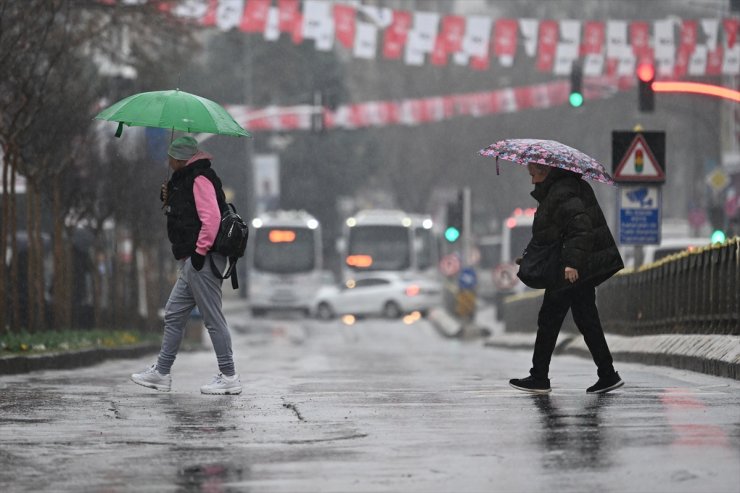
x,y
378,240
516,233
284,261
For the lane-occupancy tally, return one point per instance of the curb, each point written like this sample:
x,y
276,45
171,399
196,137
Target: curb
x,y
717,355
12,365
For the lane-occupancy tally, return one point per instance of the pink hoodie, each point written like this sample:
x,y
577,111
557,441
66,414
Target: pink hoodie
x,y
207,207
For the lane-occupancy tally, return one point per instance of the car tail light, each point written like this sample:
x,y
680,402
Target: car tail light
x,y
413,290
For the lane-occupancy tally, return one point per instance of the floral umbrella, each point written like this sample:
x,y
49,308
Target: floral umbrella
x,y
549,153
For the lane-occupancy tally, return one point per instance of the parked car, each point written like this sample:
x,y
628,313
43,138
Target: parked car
x,y
668,246
387,295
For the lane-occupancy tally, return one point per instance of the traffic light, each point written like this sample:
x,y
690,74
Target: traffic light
x,y
718,236
645,79
576,85
454,228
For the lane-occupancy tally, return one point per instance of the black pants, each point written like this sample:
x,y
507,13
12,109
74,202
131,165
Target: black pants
x,y
581,300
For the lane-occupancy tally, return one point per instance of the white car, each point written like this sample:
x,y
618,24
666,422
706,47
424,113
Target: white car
x,y
386,295
668,246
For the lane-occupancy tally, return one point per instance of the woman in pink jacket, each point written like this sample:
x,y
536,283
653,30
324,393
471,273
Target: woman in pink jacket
x,y
193,199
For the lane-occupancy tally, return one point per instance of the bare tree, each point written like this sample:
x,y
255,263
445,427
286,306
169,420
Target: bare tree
x,y
47,101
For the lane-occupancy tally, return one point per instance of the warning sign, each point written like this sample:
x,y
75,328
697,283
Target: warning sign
x,y
638,157
639,164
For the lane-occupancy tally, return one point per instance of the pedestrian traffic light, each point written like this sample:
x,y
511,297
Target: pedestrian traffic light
x,y
454,228
645,94
576,85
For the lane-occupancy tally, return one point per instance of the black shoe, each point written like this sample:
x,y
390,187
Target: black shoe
x,y
605,385
531,384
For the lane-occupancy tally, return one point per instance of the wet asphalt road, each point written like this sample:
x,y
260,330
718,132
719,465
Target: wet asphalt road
x,y
378,406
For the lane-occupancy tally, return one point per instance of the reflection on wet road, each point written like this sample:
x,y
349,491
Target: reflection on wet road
x,y
376,406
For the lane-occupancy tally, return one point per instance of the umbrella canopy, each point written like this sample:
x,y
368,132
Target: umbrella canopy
x,y
175,110
550,153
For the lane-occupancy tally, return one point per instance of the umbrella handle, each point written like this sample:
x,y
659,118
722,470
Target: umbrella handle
x,y
498,170
119,130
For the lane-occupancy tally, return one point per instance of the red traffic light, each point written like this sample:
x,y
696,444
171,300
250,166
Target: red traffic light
x,y
645,72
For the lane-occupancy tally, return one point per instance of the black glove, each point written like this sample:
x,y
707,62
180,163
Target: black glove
x,y
197,260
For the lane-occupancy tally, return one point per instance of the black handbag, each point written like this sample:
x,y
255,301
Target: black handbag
x,y
540,267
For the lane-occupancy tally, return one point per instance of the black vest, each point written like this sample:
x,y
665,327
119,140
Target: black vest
x,y
183,224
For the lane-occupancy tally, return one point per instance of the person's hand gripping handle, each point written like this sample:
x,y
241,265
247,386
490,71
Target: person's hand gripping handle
x,y
163,195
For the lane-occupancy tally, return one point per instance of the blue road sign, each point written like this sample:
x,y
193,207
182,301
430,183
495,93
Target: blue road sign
x,y
468,279
639,215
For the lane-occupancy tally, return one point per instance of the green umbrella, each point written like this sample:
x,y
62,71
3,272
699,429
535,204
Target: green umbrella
x,y
176,110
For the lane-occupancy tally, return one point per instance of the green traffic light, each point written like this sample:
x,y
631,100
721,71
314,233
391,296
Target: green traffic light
x,y
718,236
452,234
576,99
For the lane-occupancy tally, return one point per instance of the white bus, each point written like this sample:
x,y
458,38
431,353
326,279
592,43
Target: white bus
x,y
389,241
377,240
516,233
284,259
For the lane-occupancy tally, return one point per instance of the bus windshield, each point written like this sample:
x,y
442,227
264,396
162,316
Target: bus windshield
x,y
284,250
388,247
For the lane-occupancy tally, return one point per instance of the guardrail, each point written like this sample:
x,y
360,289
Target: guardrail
x,y
695,292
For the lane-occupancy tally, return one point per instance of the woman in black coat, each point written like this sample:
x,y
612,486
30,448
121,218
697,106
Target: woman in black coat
x,y
569,212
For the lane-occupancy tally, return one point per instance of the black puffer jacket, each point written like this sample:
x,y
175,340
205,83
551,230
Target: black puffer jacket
x,y
568,209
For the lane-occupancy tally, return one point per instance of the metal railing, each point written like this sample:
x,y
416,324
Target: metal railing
x,y
695,292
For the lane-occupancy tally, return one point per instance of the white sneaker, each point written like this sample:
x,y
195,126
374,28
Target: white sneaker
x,y
153,379
221,384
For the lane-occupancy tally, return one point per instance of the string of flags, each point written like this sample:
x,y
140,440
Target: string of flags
x,y
413,112
677,47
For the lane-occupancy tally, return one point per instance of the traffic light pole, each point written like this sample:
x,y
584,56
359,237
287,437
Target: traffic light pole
x,y
466,236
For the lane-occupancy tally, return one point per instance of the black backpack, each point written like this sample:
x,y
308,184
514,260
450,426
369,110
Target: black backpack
x,y
231,242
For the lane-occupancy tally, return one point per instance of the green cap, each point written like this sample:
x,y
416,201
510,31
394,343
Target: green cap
x,y
183,148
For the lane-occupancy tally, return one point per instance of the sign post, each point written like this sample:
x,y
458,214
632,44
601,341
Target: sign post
x,y
638,166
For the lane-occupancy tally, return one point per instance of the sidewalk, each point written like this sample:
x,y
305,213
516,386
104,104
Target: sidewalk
x,y
10,365
705,353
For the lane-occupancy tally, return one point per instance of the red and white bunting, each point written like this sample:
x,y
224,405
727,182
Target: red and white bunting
x,y
505,41
288,12
394,39
592,48
228,14
731,60
412,112
731,27
344,25
640,41
611,47
568,47
453,31
366,40
547,45
686,47
255,15
664,47
272,26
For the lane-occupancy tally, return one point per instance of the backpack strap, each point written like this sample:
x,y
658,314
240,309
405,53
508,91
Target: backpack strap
x,y
230,272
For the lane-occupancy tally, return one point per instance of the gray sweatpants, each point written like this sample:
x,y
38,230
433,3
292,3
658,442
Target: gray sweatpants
x,y
203,289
